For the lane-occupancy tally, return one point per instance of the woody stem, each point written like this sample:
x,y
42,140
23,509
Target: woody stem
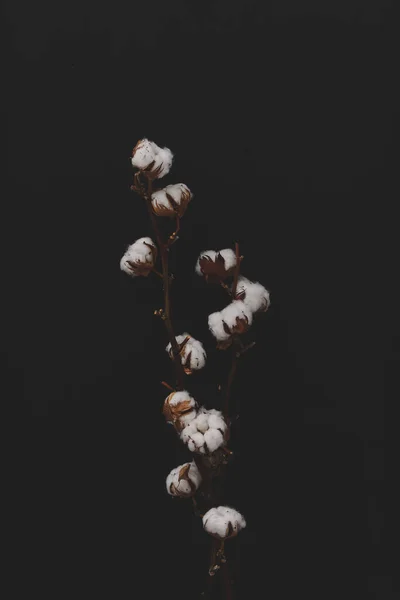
x,y
180,373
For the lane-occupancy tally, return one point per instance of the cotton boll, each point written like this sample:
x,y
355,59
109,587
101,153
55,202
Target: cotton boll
x,y
214,439
162,165
216,326
216,422
184,480
196,443
201,422
254,295
187,432
187,418
216,265
139,257
223,522
210,253
192,353
230,258
144,153
171,201
234,318
178,405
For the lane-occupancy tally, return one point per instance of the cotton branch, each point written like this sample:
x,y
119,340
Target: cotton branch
x,y
146,194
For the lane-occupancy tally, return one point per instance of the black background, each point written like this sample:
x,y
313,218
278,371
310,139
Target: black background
x,y
280,117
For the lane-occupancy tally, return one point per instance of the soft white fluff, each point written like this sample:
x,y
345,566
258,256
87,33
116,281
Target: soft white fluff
x,y
228,254
205,433
163,159
178,191
181,487
216,522
256,295
140,254
182,396
193,347
145,152
228,315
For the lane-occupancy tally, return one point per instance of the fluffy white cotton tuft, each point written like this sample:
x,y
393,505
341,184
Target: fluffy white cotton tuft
x,y
163,162
193,356
206,432
180,409
228,255
223,522
184,480
180,397
213,438
164,206
229,316
139,257
146,152
256,297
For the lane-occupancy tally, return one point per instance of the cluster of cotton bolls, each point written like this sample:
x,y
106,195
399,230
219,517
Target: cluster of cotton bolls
x,y
153,161
139,257
206,432
191,351
223,522
184,481
250,296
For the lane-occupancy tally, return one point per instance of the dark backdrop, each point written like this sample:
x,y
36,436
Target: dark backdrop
x,y
279,115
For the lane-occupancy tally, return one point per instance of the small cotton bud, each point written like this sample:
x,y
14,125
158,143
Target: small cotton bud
x,y
191,352
153,161
223,522
171,201
139,258
235,318
216,265
254,295
179,408
183,481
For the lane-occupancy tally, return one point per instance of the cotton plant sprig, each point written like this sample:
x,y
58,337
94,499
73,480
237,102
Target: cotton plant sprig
x,y
204,432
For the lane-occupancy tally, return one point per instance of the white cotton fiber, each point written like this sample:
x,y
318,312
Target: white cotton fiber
x,y
201,430
228,255
193,356
257,297
179,397
183,481
144,153
141,257
214,439
234,310
223,522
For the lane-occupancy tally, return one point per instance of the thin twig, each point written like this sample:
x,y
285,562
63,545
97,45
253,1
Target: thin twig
x,y
180,373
